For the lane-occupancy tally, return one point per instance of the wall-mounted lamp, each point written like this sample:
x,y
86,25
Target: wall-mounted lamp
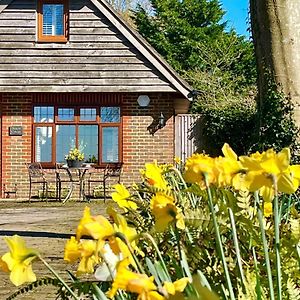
x,y
157,124
143,100
161,121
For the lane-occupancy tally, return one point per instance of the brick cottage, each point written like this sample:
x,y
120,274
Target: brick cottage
x,y
71,73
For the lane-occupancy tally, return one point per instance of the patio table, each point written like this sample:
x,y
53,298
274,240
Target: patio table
x,y
76,176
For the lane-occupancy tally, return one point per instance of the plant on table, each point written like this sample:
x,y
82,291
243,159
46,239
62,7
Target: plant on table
x,y
228,228
74,154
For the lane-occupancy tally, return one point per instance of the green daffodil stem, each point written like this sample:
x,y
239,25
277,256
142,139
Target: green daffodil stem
x,y
265,246
59,278
150,238
236,245
277,239
219,242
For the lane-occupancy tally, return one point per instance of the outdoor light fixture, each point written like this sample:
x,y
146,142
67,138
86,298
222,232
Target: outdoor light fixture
x,y
161,121
143,100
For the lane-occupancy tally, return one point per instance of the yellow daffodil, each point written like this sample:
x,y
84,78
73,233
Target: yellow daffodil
x,y
198,166
118,246
87,218
132,282
268,209
19,260
228,167
100,228
177,160
154,177
72,252
121,195
86,251
176,286
165,211
89,257
263,168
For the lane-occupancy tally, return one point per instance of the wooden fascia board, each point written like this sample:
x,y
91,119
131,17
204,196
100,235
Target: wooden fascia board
x,y
145,49
4,4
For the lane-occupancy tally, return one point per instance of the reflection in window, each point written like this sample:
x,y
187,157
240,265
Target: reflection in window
x,y
53,19
65,140
88,114
110,144
110,114
43,114
43,144
88,142
66,114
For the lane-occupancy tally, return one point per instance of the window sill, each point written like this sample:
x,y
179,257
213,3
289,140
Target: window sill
x,y
52,39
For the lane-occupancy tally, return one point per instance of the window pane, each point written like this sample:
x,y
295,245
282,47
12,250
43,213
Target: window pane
x,y
43,114
43,144
53,19
110,144
88,114
110,114
66,114
65,140
88,142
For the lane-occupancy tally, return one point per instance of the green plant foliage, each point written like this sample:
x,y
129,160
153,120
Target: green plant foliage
x,y
276,124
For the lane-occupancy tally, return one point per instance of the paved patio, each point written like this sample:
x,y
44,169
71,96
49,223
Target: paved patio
x,y
40,223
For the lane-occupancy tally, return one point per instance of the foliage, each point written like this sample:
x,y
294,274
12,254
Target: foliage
x,y
219,65
183,235
276,124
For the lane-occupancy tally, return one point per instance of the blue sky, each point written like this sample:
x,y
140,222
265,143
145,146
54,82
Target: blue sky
x,y
236,14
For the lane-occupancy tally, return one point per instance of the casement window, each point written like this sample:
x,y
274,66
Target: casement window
x,y
53,20
96,131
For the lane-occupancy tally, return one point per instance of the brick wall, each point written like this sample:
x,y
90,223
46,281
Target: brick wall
x,y
16,150
140,145
142,141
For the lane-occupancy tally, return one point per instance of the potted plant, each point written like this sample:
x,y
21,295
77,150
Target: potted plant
x,y
74,158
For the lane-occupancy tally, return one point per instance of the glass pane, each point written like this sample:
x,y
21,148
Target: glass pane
x,y
88,114
66,114
110,144
88,142
110,114
65,140
53,19
43,144
43,114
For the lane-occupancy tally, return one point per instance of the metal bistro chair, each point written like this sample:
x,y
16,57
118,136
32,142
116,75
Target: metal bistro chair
x,y
37,176
110,171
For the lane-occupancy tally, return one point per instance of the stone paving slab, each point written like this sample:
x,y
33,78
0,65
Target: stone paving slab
x,y
39,222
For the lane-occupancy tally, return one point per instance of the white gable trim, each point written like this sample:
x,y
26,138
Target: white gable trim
x,y
4,4
145,49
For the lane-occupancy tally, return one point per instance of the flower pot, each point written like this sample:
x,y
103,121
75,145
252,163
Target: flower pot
x,y
74,163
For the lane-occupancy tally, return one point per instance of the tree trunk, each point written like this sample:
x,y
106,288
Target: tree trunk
x,y
276,34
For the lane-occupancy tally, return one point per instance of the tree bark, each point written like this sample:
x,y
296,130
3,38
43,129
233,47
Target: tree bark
x,y
276,35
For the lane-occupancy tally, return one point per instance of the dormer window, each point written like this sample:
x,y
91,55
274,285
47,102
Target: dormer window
x,y
52,20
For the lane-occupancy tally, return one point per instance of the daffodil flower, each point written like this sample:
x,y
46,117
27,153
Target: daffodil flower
x,y
133,282
198,166
176,286
121,195
268,209
165,211
154,177
86,251
18,260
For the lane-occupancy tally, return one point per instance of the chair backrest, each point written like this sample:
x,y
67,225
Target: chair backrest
x,y
113,170
35,170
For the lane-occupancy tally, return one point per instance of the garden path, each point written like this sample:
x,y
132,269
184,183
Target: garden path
x,y
39,222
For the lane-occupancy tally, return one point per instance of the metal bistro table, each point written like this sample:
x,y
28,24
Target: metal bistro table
x,y
79,173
